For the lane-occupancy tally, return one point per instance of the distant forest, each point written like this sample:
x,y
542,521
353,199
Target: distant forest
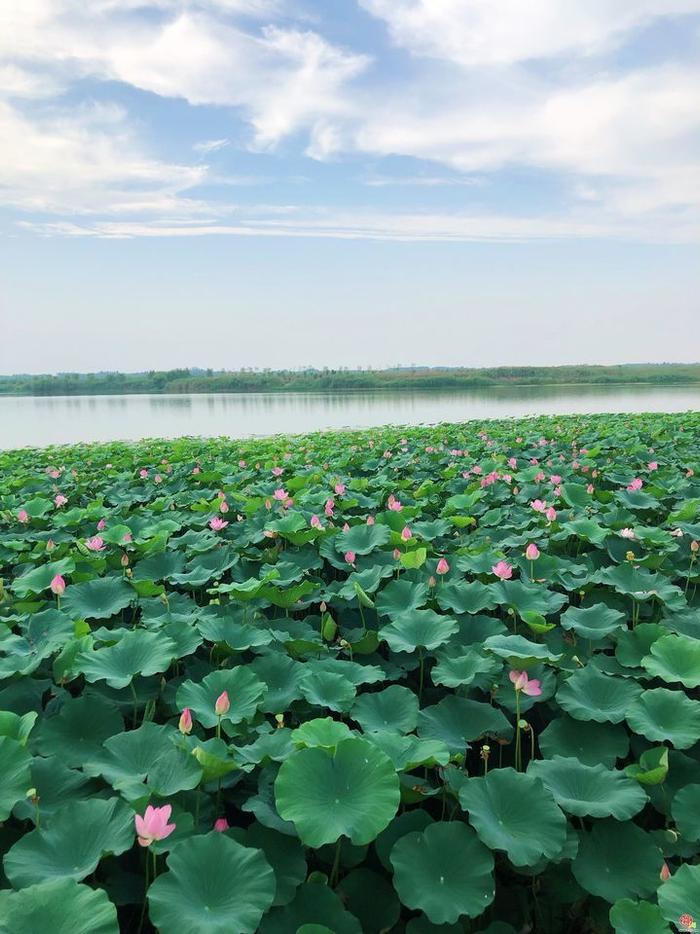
x,y
342,380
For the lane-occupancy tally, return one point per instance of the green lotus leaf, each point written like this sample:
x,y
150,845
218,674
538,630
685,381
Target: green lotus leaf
x,y
514,812
630,917
401,597
371,899
593,622
285,855
519,651
71,843
245,692
61,906
55,786
675,659
137,652
666,716
685,809
463,669
589,742
589,695
38,579
214,882
634,644
680,895
424,629
408,821
237,635
79,729
394,708
457,721
283,677
462,597
315,907
352,791
97,599
617,860
408,752
444,871
158,567
328,689
652,767
589,790
16,779
321,732
522,597
362,539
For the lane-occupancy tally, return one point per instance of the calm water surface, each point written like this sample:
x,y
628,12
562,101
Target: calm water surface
x,y
36,421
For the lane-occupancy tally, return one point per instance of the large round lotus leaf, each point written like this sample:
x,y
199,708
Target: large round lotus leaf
x,y
589,790
362,539
314,906
212,884
680,895
675,658
524,598
519,651
462,597
663,715
685,809
401,597
416,819
371,899
393,709
514,812
321,732
159,567
352,791
59,907
589,695
617,860
464,669
418,629
245,692
589,742
457,721
97,599
283,677
328,689
15,775
285,855
443,871
592,622
408,752
72,842
630,917
137,652
39,578
635,644
79,729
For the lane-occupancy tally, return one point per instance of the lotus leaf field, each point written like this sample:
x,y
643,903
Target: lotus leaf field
x,y
440,679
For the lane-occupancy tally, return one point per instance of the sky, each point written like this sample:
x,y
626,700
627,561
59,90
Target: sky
x,y
286,183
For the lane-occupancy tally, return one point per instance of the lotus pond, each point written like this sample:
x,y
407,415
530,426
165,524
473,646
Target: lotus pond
x,y
412,680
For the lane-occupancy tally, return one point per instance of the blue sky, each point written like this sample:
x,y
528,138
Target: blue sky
x,y
368,182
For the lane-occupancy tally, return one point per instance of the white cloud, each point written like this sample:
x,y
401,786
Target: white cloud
x,y
210,145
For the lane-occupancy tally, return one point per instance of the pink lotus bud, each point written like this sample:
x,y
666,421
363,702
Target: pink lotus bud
x,y
442,567
328,508
665,873
101,525
350,557
694,547
221,825
406,533
532,552
339,488
143,473
346,527
397,554
58,585
158,478
551,514
512,463
50,545
196,470
124,560
23,515
590,489
370,520
315,523
59,500
222,705
185,724
431,581
223,506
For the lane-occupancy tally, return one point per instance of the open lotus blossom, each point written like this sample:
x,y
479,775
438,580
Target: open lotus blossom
x,y
153,825
394,504
626,533
521,682
329,507
280,494
442,566
512,463
315,523
216,524
652,465
185,723
406,533
23,515
222,705
143,473
350,557
532,552
59,500
58,585
538,505
221,825
503,570
95,543
339,488
636,484
277,471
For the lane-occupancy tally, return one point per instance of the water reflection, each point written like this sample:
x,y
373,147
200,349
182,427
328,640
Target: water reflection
x,y
62,419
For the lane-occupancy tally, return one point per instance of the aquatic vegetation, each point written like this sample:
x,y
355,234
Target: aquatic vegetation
x,y
437,679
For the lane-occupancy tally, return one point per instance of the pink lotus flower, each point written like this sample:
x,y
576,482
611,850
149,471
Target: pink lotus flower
x,y
95,543
185,723
241,464
196,470
23,515
406,533
124,560
315,523
158,478
512,463
51,545
555,479
652,465
280,494
539,477
521,682
101,525
153,825
277,471
329,507
503,570
221,825
346,527
532,552
53,472
143,473
58,586
216,524
223,506
350,557
370,520
393,504
665,873
538,505
636,484
551,514
59,500
442,567
397,554
626,533
590,489
222,705
339,489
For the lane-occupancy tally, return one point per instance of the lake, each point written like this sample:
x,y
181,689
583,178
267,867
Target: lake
x,y
39,421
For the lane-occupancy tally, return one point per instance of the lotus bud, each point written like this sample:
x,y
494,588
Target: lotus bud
x,y
694,547
665,873
222,705
185,724
279,719
58,585
125,560
221,825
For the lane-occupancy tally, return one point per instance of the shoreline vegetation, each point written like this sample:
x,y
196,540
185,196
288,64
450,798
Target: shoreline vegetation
x,y
163,382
